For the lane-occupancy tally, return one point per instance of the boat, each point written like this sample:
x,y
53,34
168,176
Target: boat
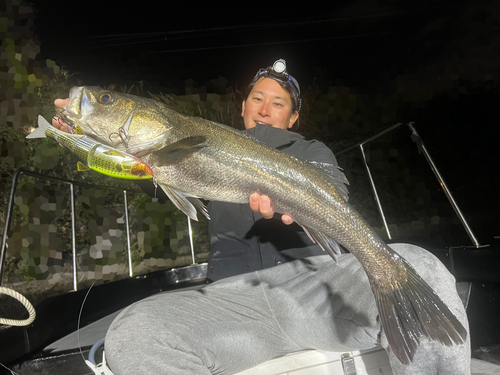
x,y
77,289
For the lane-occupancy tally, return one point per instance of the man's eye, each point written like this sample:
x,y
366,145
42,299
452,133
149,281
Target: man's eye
x,y
278,104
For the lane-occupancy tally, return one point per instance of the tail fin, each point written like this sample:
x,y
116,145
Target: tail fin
x,y
39,132
414,310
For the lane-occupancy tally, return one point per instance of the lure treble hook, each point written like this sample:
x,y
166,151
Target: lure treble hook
x,y
123,136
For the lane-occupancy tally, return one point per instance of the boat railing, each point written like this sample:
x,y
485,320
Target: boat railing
x,y
187,230
415,137
17,246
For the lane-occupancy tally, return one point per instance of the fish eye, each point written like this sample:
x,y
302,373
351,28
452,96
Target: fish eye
x,y
105,98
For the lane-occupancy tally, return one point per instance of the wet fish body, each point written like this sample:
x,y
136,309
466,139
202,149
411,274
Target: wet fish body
x,y
194,158
97,156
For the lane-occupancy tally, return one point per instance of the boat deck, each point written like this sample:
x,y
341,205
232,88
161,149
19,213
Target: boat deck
x,y
67,354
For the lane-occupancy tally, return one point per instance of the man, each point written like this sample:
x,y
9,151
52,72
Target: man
x,y
282,296
240,240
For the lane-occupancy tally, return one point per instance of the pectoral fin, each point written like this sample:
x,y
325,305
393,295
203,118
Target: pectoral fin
x,y
180,150
152,145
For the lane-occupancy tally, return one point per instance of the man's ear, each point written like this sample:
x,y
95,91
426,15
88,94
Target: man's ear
x,y
294,117
243,108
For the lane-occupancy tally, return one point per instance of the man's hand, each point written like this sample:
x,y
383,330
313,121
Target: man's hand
x,y
57,122
261,204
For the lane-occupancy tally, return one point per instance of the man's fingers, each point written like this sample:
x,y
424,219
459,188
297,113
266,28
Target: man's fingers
x,y
286,219
254,202
261,204
265,207
61,102
57,122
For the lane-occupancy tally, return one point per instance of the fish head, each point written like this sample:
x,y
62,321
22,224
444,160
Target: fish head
x,y
120,120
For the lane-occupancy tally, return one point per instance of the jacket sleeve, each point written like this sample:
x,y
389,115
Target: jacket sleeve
x,y
317,151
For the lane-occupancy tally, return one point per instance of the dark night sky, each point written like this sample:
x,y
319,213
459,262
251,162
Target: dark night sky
x,y
353,40
358,43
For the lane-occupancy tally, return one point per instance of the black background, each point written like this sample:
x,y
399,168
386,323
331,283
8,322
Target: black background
x,y
364,44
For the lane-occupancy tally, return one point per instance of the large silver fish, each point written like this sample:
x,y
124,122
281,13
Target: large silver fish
x,y
194,158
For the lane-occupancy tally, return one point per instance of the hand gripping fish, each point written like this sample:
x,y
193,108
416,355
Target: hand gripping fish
x,y
193,158
97,156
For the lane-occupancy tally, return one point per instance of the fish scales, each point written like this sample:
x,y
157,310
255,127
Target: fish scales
x,y
194,158
223,181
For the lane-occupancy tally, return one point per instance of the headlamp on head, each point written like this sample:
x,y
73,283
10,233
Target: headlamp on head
x,y
278,73
279,66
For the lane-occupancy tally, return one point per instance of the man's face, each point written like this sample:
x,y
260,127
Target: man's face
x,y
270,104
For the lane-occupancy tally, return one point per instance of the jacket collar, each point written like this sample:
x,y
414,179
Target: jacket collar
x,y
274,137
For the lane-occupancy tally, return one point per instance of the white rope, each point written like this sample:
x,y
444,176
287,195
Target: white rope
x,y
27,304
5,367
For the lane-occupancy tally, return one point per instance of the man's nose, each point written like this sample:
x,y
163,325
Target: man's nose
x,y
264,109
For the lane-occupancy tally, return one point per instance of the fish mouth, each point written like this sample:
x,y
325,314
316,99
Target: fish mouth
x,y
76,110
69,124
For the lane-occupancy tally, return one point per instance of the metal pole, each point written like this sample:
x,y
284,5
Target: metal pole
x,y
130,271
419,141
8,219
190,230
73,239
372,183
371,138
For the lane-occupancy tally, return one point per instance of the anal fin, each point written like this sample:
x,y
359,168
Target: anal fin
x,y
328,244
185,203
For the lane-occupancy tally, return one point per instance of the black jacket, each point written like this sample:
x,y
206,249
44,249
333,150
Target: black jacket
x,y
242,241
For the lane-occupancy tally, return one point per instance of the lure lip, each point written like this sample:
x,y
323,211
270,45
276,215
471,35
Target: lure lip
x,y
149,172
